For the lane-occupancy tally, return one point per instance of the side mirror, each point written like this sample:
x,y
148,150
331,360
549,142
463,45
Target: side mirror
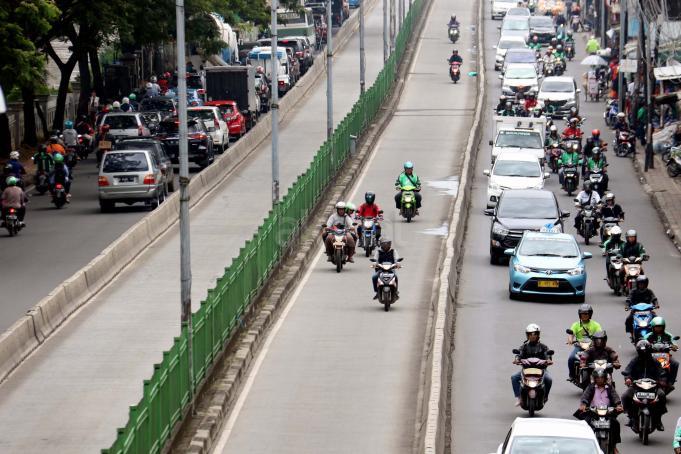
x,y
380,211
570,332
646,257
547,175
676,338
579,90
400,259
486,172
491,143
564,214
323,226
372,260
587,255
550,352
501,76
509,252
515,351
489,211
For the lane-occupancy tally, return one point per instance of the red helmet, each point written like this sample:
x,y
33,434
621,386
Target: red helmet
x,y
596,133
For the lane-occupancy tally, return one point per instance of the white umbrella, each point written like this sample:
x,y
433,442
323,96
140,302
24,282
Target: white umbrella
x,y
594,60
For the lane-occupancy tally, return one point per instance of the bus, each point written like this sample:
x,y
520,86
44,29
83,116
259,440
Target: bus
x,y
296,23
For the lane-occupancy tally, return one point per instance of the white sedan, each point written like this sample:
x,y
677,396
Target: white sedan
x,y
519,78
535,435
513,170
506,43
215,124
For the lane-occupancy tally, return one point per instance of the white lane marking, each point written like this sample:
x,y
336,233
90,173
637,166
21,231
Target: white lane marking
x,y
243,395
415,59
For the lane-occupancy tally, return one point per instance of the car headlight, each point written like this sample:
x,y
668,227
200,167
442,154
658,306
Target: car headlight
x,y
521,269
576,271
498,229
570,103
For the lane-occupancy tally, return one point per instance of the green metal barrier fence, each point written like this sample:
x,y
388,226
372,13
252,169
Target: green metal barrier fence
x,y
167,394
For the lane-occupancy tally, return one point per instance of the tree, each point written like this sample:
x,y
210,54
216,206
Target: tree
x,y
25,23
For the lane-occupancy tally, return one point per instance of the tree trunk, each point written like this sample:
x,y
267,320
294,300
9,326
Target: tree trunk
x,y
5,137
28,97
85,84
97,81
43,120
66,70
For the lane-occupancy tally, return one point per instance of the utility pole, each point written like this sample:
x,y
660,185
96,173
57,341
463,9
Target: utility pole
x,y
649,164
400,13
604,21
275,101
624,32
392,26
185,251
385,31
329,74
362,56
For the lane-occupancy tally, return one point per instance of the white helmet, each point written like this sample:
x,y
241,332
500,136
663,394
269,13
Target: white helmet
x,y
532,328
553,128
148,85
126,100
116,105
153,79
14,155
620,115
340,205
616,230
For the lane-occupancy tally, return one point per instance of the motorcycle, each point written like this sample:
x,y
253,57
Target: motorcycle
x,y
610,114
673,162
570,179
560,68
600,419
42,182
455,71
606,227
575,22
368,240
643,315
453,33
632,268
587,227
624,143
549,69
11,222
570,51
596,179
645,396
387,282
59,195
408,202
662,354
554,156
582,374
605,366
71,158
532,390
615,272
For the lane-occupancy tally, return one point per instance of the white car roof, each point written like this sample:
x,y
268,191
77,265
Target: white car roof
x,y
519,39
511,155
560,79
552,427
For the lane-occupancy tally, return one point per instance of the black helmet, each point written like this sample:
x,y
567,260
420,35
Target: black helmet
x,y
643,347
587,186
42,148
601,336
455,51
369,197
642,280
585,309
599,373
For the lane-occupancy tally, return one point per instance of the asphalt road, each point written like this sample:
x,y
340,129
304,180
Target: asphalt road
x,y
489,325
337,374
57,243
72,394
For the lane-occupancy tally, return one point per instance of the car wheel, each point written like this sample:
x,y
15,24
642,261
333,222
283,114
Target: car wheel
x,y
511,295
171,183
106,206
493,258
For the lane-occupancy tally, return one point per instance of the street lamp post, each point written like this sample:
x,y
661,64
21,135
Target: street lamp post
x,y
362,56
275,104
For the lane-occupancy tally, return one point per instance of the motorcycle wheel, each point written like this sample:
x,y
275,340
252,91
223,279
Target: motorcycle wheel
x,y
604,444
11,230
58,203
386,306
338,259
673,170
587,239
643,430
530,407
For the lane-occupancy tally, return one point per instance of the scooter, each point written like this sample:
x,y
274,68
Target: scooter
x,y
11,222
587,228
643,315
624,144
600,419
455,71
615,272
673,162
662,354
59,195
368,239
453,33
645,396
582,374
408,202
632,268
387,282
596,179
42,182
610,114
570,179
570,51
532,390
606,227
554,156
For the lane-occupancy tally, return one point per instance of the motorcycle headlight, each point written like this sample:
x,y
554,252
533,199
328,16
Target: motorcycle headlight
x,y
499,230
576,271
521,268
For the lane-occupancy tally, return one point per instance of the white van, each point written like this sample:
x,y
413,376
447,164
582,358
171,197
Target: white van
x,y
501,7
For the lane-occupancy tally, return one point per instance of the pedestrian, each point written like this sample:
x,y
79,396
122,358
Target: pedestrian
x,y
93,106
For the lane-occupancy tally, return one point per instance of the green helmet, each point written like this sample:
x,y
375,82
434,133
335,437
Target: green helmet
x,y
349,206
658,321
58,157
12,181
132,97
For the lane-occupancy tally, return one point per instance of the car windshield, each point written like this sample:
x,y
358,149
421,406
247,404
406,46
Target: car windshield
x,y
515,25
522,72
125,162
517,169
520,139
520,57
156,104
541,21
527,208
555,86
204,114
518,12
552,445
134,145
121,121
549,247
511,44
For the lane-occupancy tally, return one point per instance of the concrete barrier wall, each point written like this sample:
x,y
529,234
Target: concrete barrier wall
x,y
41,321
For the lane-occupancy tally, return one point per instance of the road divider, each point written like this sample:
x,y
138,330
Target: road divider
x,y
31,330
154,420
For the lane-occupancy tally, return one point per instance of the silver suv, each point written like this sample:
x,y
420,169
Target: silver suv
x,y
126,124
131,176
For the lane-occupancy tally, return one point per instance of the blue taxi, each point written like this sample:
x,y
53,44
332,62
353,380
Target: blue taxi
x,y
548,264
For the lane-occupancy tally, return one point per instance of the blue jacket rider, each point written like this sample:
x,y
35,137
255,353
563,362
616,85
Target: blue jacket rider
x,y
384,254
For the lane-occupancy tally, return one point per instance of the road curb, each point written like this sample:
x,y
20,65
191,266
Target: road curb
x,y
436,395
16,344
672,230
226,387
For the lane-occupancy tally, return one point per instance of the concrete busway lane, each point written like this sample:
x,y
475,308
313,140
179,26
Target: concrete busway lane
x,y
57,243
72,393
336,367
489,325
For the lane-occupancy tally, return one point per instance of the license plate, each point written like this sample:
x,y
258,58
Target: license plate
x,y
648,396
547,284
600,424
105,144
126,179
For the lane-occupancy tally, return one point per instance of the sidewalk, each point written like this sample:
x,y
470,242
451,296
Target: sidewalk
x,y
665,194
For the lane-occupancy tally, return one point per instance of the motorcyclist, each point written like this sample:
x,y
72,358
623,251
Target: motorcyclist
x,y
660,335
584,327
640,294
600,393
455,57
339,218
132,97
54,146
574,114
598,164
585,198
530,102
408,178
70,135
61,174
553,137
350,209
126,106
643,366
535,44
43,160
84,128
632,248
676,444
384,254
18,169
14,197
369,209
155,85
570,157
612,245
572,131
453,22
502,104
599,350
569,39
531,348
508,111
559,53
621,123
593,141
592,46
116,106
611,209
